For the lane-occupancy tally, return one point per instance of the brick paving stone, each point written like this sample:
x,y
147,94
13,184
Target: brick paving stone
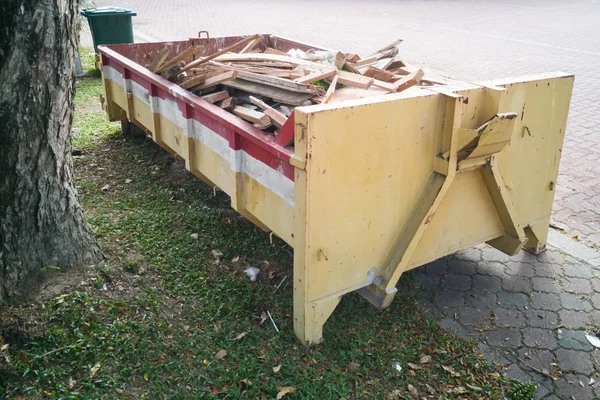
x,y
491,254
512,300
595,284
570,388
450,298
545,301
548,270
575,302
491,268
574,361
573,339
574,319
516,284
512,318
537,358
515,372
473,316
578,271
539,338
577,285
519,269
428,280
551,256
458,266
541,318
486,282
481,300
545,285
471,254
502,337
595,299
595,318
457,282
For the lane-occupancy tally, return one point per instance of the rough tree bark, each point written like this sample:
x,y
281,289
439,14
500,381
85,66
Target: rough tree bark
x,y
41,221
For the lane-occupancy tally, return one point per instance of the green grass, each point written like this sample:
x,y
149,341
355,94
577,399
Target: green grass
x,y
159,337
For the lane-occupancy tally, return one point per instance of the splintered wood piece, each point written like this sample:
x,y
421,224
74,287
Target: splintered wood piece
x,y
389,46
278,118
340,60
380,74
228,104
354,80
216,96
255,117
217,79
395,64
352,58
277,94
159,59
408,81
198,79
317,75
250,45
270,50
190,51
331,90
227,49
279,82
282,73
267,57
365,61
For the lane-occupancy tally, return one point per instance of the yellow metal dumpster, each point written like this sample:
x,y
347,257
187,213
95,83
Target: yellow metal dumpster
x,y
371,187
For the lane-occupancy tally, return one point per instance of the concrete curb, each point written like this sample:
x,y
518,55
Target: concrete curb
x,y
574,248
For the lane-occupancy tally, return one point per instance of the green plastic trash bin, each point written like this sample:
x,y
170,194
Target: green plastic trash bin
x,y
109,25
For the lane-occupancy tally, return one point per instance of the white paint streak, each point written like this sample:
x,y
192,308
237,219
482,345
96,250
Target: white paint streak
x,y
239,161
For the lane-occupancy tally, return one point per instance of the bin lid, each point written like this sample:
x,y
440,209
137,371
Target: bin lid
x,y
103,11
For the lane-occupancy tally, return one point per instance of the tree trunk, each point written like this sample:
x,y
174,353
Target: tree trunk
x,y
41,221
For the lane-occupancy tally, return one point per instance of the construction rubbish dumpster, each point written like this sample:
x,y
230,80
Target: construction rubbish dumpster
x,y
366,166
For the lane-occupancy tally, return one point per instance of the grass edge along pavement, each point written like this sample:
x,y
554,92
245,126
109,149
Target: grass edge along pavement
x,y
164,317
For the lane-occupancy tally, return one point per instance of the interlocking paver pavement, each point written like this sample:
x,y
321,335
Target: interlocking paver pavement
x,y
473,40
535,331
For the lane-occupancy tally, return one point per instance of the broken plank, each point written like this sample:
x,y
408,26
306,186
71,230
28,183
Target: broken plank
x,y
255,117
277,94
228,104
365,61
217,79
340,60
190,51
250,45
159,60
331,90
279,82
270,50
217,96
278,118
389,46
354,80
285,110
408,81
198,79
267,57
221,52
317,75
380,74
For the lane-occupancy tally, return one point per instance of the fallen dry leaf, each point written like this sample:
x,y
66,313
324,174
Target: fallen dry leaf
x,y
475,388
353,365
220,354
413,366
240,336
450,370
430,389
95,369
235,259
277,368
413,391
283,390
263,317
425,359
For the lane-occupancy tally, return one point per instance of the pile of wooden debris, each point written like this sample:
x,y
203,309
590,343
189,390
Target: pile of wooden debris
x,y
264,86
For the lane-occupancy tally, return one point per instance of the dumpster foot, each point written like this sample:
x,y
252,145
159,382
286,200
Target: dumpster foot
x,y
377,296
310,317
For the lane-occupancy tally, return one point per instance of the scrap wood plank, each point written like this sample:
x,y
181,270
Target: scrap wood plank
x,y
285,137
268,57
270,50
278,118
198,79
255,117
331,89
250,45
354,80
389,46
257,70
365,61
228,104
159,59
215,80
340,60
408,81
279,82
216,96
317,75
190,51
220,52
277,94
379,74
